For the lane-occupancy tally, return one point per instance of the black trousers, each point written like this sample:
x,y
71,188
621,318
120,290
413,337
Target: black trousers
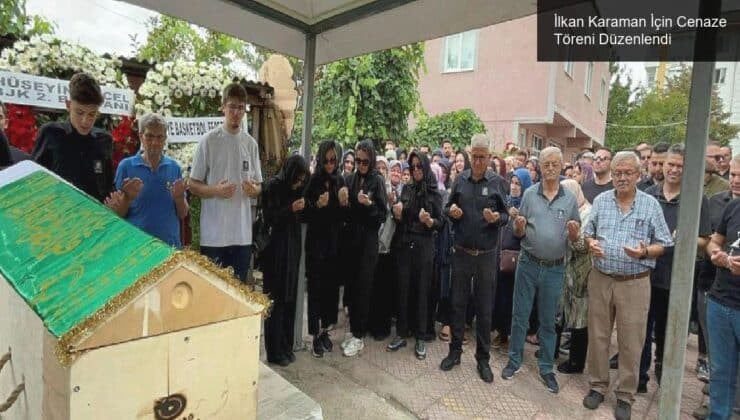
x,y
279,330
414,273
366,258
503,304
383,300
481,271
323,296
578,346
657,320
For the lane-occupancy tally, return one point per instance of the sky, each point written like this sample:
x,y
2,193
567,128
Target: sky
x,y
106,25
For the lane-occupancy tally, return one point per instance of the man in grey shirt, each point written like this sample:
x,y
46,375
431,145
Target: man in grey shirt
x,y
548,217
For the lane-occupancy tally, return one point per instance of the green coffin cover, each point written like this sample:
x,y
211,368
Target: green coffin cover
x,y
65,253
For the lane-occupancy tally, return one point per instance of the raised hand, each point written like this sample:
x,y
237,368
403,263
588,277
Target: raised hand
x,y
397,210
343,197
574,230
491,216
298,205
131,188
363,198
224,189
456,212
520,223
636,252
178,188
115,201
323,200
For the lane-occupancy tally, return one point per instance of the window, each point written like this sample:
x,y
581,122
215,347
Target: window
x,y
523,137
719,76
589,77
459,52
651,76
537,142
602,98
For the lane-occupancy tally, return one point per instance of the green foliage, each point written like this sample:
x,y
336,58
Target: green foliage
x,y
458,126
369,96
170,39
660,115
16,22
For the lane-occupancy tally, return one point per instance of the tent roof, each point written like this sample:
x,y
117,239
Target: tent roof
x,y
343,28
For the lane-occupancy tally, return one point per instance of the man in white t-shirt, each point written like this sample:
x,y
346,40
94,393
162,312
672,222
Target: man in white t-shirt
x,y
226,173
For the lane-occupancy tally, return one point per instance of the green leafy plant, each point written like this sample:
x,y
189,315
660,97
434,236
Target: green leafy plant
x,y
458,126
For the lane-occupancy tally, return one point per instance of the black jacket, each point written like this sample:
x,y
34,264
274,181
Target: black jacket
x,y
362,218
414,197
324,224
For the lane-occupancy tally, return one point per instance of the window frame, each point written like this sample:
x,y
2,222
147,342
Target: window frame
x,y
589,79
460,47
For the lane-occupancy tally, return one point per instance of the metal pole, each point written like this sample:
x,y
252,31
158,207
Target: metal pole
x,y
692,185
309,68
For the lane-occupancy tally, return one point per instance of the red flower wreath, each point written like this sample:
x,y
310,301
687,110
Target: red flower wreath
x,y
125,142
22,128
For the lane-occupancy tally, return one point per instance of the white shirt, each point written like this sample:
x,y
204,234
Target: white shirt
x,y
235,158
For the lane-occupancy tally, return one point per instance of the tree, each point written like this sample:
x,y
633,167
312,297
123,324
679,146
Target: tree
x,y
16,22
170,39
369,96
458,126
660,115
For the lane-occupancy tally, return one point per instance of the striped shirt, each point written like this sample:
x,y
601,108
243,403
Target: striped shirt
x,y
615,230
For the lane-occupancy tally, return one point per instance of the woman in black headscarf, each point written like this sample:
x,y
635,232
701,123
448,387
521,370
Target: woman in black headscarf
x,y
326,207
368,210
417,215
283,205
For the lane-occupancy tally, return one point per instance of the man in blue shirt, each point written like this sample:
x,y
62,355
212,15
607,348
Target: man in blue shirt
x,y
150,189
626,233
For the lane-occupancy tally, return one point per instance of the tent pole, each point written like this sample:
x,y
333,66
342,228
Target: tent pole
x,y
308,74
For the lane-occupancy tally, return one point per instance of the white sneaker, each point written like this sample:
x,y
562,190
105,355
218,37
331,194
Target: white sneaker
x,y
353,347
346,341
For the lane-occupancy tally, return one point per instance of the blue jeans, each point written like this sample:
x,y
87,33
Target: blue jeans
x,y
724,344
547,282
238,257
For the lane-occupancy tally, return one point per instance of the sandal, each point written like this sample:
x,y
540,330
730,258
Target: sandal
x,y
444,336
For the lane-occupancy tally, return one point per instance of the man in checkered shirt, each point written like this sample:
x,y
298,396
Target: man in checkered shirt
x,y
626,233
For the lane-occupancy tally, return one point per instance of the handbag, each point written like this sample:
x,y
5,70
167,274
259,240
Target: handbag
x,y
508,260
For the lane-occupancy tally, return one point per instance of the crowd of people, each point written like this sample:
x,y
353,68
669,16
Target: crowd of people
x,y
525,248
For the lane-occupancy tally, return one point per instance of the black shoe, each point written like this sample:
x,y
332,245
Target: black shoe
x,y
280,362
642,387
614,362
623,411
484,370
420,349
658,372
396,344
290,356
449,362
380,336
509,371
550,382
317,348
326,341
569,368
593,400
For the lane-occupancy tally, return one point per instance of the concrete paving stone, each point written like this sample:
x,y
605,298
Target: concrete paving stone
x,y
506,405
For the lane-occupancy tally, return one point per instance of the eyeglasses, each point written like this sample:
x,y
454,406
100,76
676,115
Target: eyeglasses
x,y
362,161
480,157
236,108
625,174
601,159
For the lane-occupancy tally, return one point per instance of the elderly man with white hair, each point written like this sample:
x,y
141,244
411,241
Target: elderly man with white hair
x,y
626,233
150,189
477,211
548,218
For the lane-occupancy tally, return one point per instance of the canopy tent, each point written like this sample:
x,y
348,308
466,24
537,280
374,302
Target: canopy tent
x,y
321,31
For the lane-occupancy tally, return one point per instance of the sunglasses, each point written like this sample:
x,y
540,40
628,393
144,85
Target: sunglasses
x,y
417,166
331,161
362,161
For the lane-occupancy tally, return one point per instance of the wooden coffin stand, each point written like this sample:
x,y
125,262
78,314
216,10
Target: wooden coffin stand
x,y
184,344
